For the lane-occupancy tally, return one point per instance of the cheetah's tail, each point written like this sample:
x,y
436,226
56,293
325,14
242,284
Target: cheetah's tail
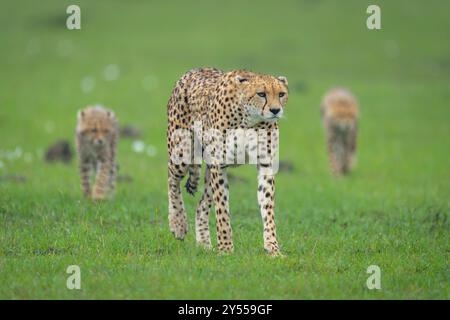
x,y
194,177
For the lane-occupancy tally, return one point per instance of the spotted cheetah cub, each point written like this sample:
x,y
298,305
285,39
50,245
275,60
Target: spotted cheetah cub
x,y
96,137
340,118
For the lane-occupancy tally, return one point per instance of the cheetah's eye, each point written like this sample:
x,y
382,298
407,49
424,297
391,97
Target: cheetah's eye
x,y
282,94
94,130
261,94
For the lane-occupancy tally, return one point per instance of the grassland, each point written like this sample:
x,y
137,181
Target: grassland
x,y
392,211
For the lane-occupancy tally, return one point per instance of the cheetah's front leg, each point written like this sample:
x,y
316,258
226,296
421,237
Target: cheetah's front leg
x,y
334,151
102,180
85,168
266,200
178,223
113,169
219,185
350,148
202,216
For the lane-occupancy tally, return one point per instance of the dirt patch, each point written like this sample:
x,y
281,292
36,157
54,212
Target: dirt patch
x,y
59,151
286,166
130,132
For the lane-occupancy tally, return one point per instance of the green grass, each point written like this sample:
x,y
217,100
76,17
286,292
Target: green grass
x,y
392,211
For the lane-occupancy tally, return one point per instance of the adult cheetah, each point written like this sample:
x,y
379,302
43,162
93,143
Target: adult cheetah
x,y
222,102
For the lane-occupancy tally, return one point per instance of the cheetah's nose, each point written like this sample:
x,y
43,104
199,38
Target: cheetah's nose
x,y
275,110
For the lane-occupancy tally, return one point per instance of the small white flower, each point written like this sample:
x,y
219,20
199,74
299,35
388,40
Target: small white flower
x,y
13,155
111,72
138,146
151,151
87,84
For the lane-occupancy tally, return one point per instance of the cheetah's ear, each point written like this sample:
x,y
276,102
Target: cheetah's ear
x,y
241,79
283,79
80,115
110,114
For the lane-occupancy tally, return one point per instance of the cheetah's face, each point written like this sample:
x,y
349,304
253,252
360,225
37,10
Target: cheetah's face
x,y
96,135
264,97
96,130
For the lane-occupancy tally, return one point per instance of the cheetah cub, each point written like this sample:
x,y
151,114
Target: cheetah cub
x,y
340,112
96,137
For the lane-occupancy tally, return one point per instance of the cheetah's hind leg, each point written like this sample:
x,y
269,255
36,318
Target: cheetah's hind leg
x,y
350,156
177,214
112,180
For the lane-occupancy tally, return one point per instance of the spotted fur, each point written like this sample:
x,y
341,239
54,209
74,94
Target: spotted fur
x,y
96,138
340,113
221,101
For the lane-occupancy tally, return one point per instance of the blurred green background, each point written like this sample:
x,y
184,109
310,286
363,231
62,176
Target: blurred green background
x,y
392,211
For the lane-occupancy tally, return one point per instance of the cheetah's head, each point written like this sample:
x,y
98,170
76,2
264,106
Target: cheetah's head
x,y
263,96
95,126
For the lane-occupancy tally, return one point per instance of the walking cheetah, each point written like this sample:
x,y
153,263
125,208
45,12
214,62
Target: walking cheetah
x,y
96,137
222,101
340,118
